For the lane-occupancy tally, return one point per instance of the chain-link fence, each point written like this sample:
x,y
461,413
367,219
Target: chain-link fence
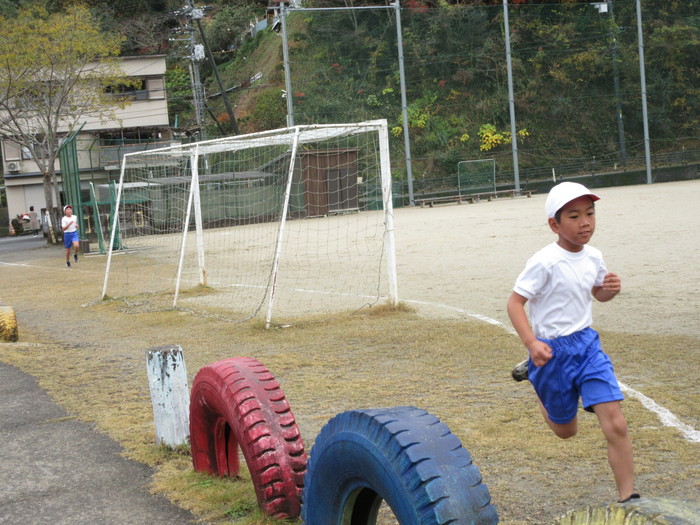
x,y
576,83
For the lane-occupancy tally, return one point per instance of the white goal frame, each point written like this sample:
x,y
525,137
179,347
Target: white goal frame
x,y
295,137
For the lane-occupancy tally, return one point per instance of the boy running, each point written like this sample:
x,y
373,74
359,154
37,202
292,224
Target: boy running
x,y
566,361
69,225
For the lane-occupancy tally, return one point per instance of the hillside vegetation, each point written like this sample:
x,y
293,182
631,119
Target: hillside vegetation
x,y
576,80
576,75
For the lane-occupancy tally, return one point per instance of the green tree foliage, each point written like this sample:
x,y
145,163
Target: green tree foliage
x,y
179,90
8,9
226,26
270,111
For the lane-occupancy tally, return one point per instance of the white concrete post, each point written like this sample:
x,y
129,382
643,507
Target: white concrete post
x,y
167,379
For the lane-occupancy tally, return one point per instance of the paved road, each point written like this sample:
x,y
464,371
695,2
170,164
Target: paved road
x,y
57,470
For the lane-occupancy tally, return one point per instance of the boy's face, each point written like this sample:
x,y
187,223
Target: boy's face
x,y
69,212
576,225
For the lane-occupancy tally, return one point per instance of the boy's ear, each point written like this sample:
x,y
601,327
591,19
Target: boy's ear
x,y
553,224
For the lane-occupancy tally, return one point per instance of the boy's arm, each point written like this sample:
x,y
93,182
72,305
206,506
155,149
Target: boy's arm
x,y
540,352
612,284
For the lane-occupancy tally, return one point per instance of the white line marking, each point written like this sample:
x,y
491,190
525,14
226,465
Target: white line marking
x,y
666,417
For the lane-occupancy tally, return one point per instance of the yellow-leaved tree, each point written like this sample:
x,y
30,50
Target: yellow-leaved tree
x,y
56,70
491,138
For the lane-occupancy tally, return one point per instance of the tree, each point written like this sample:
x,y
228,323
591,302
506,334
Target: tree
x,y
56,70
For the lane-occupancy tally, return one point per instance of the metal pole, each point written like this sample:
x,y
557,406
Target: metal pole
x,y
404,104
616,83
643,82
287,74
511,99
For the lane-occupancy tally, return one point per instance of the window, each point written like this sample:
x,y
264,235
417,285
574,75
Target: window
x,y
128,92
12,151
155,88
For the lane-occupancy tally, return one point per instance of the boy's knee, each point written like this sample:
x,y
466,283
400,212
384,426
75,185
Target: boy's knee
x,y
618,426
564,430
613,422
565,433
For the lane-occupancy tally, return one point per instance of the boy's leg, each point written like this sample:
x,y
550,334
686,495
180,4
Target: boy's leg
x,y
562,430
76,247
614,426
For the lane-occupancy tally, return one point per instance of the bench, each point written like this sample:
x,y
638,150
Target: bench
x,y
471,197
431,201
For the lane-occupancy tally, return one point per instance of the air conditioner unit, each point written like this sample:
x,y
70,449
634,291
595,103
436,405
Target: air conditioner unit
x,y
13,167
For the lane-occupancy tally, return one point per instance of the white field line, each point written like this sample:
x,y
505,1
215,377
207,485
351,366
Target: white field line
x,y
20,264
666,417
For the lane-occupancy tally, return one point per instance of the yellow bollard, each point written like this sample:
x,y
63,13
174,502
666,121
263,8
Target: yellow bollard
x,y
8,324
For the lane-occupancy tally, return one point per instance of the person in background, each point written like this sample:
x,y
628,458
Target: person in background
x,y
69,225
34,221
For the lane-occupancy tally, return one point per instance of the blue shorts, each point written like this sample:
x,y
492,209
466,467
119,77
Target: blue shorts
x,y
69,238
578,367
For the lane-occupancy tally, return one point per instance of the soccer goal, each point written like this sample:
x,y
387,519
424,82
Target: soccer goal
x,y
295,221
476,176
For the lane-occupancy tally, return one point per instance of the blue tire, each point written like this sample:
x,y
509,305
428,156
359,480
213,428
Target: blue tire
x,y
403,456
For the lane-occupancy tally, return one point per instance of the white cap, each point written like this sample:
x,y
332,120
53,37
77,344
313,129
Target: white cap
x,y
563,193
67,206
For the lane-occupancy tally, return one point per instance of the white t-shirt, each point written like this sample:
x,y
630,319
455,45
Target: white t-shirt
x,y
557,284
73,221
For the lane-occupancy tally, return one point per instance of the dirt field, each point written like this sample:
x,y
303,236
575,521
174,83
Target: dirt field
x,y
456,266
467,257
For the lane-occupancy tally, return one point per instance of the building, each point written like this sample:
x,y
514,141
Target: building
x,y
142,124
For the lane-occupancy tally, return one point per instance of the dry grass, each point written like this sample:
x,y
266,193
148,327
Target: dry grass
x,y
94,364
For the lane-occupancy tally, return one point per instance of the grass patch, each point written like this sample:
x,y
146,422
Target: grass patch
x,y
94,365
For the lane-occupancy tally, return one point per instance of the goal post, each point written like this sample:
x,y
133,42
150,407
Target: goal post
x,y
476,176
284,222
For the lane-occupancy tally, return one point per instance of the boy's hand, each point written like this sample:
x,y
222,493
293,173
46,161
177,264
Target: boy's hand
x,y
612,283
540,352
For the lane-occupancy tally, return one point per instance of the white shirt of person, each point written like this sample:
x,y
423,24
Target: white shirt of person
x,y
557,284
72,220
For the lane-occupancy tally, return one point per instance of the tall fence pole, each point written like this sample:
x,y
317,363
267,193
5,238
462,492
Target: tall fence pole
x,y
511,99
404,106
643,82
287,74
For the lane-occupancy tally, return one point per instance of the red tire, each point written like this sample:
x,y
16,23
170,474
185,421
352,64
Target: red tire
x,y
238,403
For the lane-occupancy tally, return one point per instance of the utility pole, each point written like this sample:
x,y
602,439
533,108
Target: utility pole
x,y
193,16
197,54
197,15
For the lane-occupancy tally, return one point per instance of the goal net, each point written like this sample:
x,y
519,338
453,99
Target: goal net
x,y
295,221
476,176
